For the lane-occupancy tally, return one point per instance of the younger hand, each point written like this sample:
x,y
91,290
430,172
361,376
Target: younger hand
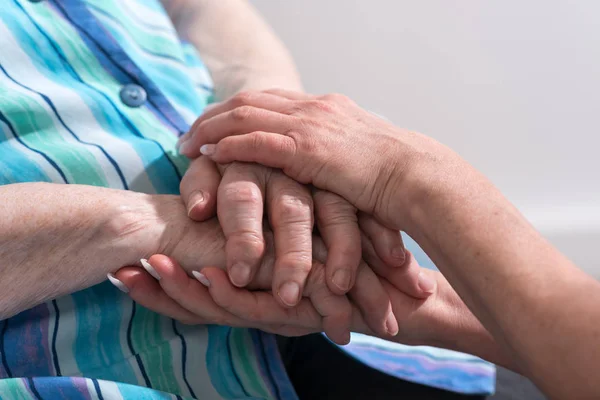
x,y
289,206
328,141
212,299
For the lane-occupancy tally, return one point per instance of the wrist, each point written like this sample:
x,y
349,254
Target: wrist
x,y
435,180
451,325
135,226
144,225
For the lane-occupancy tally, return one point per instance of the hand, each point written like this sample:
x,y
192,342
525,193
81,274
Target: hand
x,y
240,209
213,299
328,141
371,298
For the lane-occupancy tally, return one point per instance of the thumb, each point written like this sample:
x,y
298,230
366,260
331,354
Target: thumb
x,y
199,189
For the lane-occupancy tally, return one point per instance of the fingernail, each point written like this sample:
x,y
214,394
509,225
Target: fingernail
x,y
391,325
399,254
341,279
180,141
120,285
208,149
289,293
184,147
426,283
150,269
346,339
195,198
240,274
201,278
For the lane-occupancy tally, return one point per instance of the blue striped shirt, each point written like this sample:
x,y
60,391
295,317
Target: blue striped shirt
x,y
63,119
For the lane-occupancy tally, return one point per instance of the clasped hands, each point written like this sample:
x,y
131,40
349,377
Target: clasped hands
x,y
351,273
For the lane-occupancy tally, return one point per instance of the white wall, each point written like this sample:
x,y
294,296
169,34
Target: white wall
x,y
513,86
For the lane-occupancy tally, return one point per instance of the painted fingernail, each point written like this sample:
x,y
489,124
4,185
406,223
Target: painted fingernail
x,y
120,285
197,197
426,283
150,269
208,149
289,293
240,274
341,279
201,278
391,325
399,254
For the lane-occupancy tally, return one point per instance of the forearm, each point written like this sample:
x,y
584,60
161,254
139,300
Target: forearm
x,y
537,305
239,48
57,239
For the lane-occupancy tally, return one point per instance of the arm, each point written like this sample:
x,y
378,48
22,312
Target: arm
x,y
536,302
57,239
238,47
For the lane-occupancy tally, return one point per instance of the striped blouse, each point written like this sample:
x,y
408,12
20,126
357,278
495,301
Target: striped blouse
x,y
96,92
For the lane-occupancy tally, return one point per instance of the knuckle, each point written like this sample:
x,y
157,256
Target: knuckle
x,y
305,143
294,208
319,105
241,194
297,260
242,99
250,241
242,113
257,140
336,98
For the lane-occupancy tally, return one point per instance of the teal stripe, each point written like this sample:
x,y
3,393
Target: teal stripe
x,y
100,323
157,166
169,75
37,129
219,363
15,166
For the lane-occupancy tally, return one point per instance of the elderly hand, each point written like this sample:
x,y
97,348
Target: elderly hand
x,y
167,294
328,141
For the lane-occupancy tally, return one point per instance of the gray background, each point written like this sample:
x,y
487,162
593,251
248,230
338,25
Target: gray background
x,y
513,86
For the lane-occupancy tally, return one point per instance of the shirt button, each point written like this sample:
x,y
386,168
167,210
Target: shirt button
x,y
133,95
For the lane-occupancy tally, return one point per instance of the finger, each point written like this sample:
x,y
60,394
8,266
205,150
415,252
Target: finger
x,y
408,278
240,211
372,299
146,291
336,310
190,293
259,307
241,111
238,121
387,242
290,209
198,189
266,148
338,226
